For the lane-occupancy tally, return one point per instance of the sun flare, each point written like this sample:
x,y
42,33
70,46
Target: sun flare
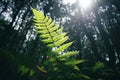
x,y
85,4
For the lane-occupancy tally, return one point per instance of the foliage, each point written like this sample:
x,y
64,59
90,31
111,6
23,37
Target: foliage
x,y
59,61
23,70
17,66
97,66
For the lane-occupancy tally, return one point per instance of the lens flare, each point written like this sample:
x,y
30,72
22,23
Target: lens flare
x,y
85,4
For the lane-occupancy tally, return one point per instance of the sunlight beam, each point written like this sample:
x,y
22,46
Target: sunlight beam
x,y
85,4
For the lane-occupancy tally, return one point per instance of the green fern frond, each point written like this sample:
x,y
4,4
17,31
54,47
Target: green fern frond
x,y
38,14
47,35
51,45
46,19
51,25
68,54
61,41
74,62
54,37
52,34
48,40
76,68
63,47
53,28
58,37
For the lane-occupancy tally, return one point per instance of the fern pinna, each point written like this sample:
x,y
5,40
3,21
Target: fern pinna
x,y
55,38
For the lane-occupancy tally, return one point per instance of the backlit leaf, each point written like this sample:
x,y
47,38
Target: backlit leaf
x,y
74,62
63,47
61,41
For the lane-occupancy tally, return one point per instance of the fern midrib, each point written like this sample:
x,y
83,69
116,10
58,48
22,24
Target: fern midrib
x,y
50,36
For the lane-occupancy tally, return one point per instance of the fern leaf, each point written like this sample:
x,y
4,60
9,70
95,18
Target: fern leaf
x,y
48,40
53,34
98,65
54,37
51,25
48,22
68,54
46,19
44,35
76,68
74,62
39,25
63,47
38,21
38,14
48,35
43,31
59,36
51,45
54,28
59,30
61,41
